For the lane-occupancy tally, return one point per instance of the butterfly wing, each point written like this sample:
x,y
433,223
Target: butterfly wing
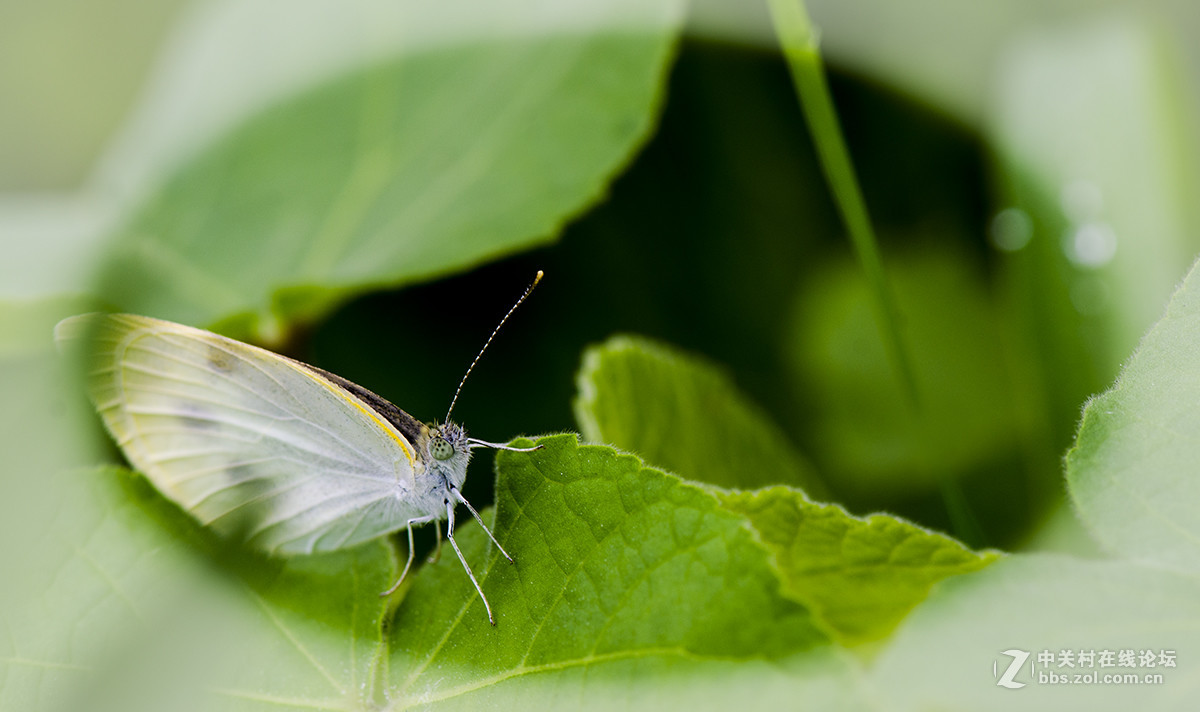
x,y
245,440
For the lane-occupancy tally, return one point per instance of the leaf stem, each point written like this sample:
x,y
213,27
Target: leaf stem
x,y
799,41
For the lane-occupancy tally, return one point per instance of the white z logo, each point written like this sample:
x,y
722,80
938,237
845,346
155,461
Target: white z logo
x,y
1006,680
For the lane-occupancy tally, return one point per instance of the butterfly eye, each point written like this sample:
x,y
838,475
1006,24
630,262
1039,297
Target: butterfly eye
x,y
441,449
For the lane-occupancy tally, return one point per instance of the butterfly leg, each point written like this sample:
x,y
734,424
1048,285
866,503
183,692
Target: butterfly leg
x,y
437,551
458,495
450,536
408,564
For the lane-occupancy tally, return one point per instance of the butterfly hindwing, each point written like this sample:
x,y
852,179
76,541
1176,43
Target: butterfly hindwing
x,y
246,440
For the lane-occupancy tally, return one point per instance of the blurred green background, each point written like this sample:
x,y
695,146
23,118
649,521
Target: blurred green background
x,y
1028,167
367,186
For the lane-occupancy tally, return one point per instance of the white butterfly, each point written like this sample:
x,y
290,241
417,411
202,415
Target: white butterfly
x,y
289,457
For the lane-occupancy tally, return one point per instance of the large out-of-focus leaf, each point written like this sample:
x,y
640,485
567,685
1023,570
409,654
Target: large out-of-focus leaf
x,y
684,414
132,607
51,245
41,432
68,86
908,45
951,652
1134,472
419,159
1090,125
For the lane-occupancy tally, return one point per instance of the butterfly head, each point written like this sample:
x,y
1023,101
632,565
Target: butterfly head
x,y
447,451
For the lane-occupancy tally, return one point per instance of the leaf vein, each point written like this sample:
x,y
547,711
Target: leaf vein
x,y
300,647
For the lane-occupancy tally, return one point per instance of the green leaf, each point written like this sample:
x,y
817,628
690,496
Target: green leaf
x,y
860,575
1134,472
44,421
944,655
425,159
1109,222
117,565
624,577
51,245
680,412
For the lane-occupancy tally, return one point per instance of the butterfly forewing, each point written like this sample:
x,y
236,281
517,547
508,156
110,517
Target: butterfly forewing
x,y
247,440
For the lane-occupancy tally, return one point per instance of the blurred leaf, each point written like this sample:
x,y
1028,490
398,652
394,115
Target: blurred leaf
x,y
46,425
866,431
26,337
1134,472
860,575
906,45
1063,533
117,565
1091,144
1091,135
944,654
625,578
66,86
684,414
1092,141
51,245
424,160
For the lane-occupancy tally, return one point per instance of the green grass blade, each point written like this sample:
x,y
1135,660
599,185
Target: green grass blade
x,y
799,41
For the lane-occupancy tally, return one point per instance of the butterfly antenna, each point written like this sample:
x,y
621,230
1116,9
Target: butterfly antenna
x,y
488,343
